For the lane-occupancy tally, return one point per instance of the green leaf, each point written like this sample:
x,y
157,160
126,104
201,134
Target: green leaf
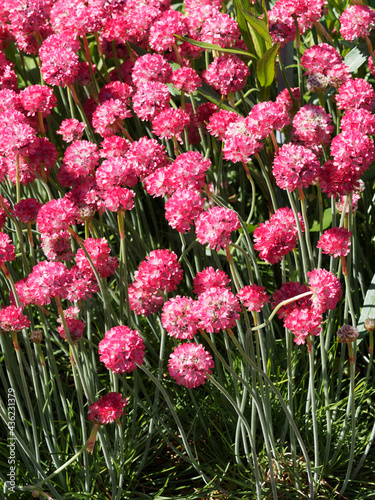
x,y
259,26
243,27
356,58
368,310
327,220
266,66
208,93
212,46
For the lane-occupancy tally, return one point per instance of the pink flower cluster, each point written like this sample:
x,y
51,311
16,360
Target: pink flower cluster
x,y
121,349
107,409
190,364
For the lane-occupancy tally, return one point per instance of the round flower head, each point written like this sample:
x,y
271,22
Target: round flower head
x,y
150,99
160,271
217,309
303,322
71,130
346,334
351,150
107,409
151,68
114,172
220,29
358,119
56,215
99,251
164,29
113,146
56,246
239,143
215,226
312,126
210,278
75,328
143,300
186,79
278,236
170,123
318,58
188,171
357,22
178,318
226,74
326,289
27,210
295,167
335,242
218,122
190,364
253,297
182,208
263,119
36,336
121,349
145,156
80,159
108,117
355,94
58,55
12,319
118,198
38,99
15,132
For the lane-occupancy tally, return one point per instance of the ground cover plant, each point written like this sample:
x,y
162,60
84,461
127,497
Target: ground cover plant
x,y
187,279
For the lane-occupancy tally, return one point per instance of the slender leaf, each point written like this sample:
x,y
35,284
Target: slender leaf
x,y
212,46
259,25
266,66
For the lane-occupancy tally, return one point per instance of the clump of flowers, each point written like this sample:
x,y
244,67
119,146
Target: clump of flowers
x,y
226,74
190,365
12,319
357,21
210,278
217,309
326,289
178,318
182,209
71,130
295,167
121,349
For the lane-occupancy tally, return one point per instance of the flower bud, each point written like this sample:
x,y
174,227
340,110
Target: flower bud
x,y
369,324
36,336
346,334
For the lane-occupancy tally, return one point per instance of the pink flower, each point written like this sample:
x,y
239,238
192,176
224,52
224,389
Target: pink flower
x,y
287,291
326,289
220,29
190,364
115,90
358,119
353,151
99,251
108,117
12,319
113,146
217,309
335,242
263,119
278,236
226,74
114,172
149,99
303,322
58,55
253,297
146,156
218,122
71,130
355,94
121,349
118,198
107,409
56,215
239,143
215,226
151,68
182,208
38,99
160,271
295,167
162,31
15,132
56,246
186,79
7,249
144,300
75,328
178,318
27,210
210,278
357,21
312,126
80,159
170,123
320,57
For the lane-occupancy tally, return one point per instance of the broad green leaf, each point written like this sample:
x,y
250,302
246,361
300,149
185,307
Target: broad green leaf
x,y
212,46
327,220
368,309
259,25
356,58
243,27
266,66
